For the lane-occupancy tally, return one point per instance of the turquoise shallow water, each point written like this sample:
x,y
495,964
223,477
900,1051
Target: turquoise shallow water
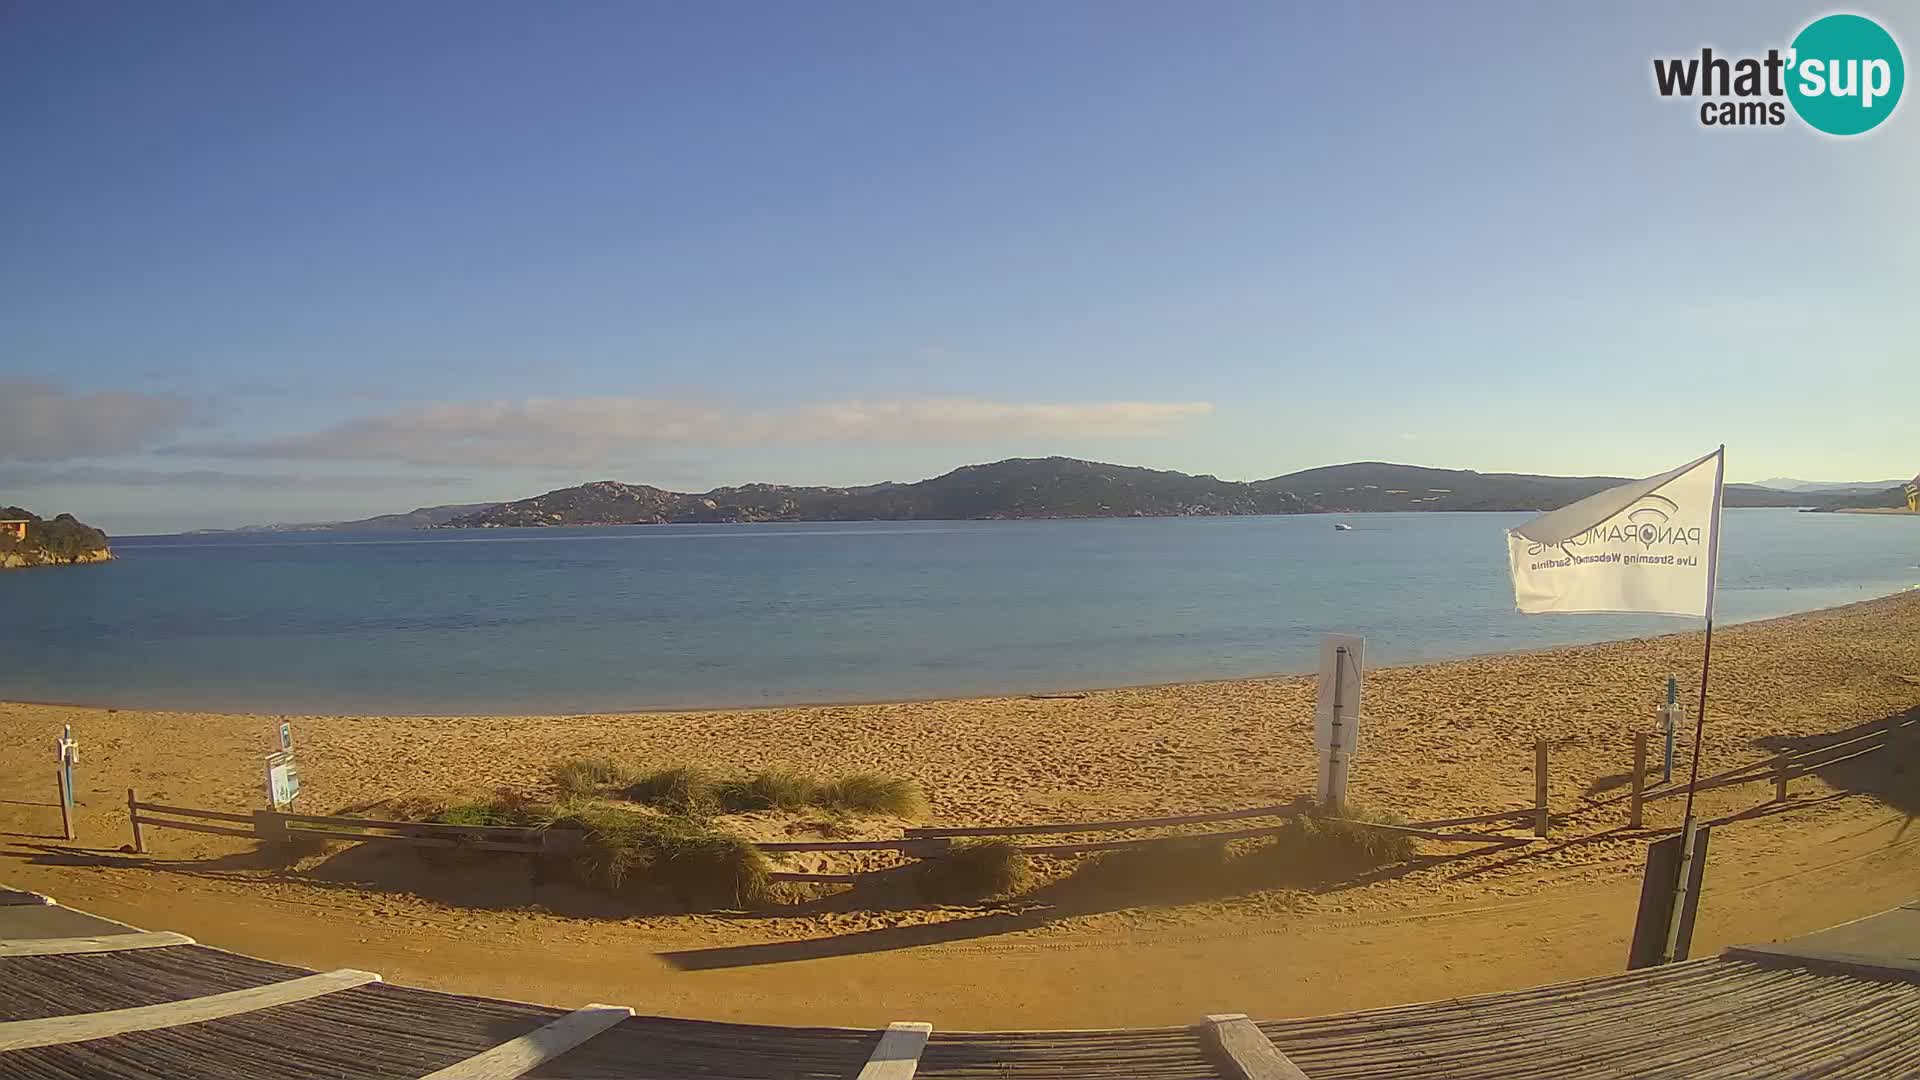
x,y
661,616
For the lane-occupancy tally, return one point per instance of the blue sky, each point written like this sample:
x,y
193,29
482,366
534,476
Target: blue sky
x,y
266,263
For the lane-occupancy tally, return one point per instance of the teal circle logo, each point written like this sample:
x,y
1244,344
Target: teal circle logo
x,y
1844,74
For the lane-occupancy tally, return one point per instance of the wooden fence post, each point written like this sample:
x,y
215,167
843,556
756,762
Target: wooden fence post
x,y
1780,778
133,818
1540,786
1636,817
270,827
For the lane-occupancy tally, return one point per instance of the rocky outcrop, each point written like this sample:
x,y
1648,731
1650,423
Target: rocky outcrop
x,y
19,559
61,541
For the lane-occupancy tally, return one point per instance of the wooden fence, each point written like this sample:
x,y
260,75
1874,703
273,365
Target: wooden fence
x,y
1781,768
272,826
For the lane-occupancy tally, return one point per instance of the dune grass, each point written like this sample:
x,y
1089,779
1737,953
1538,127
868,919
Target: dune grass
x,y
691,791
590,775
770,789
696,863
871,793
687,790
623,849
975,871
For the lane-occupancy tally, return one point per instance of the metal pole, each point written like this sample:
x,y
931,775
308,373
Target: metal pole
x,y
66,816
1687,824
1700,722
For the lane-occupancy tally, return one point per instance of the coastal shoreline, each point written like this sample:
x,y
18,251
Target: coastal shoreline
x,y
1441,740
1079,691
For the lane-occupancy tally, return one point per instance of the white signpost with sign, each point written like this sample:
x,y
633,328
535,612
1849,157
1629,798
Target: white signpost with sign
x,y
1336,712
283,773
283,779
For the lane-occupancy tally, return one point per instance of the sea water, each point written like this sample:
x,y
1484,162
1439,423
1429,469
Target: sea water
x,y
568,620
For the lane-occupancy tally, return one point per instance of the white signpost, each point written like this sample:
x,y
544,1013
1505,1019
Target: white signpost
x,y
283,779
283,773
1336,712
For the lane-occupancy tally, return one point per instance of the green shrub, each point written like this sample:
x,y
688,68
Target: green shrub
x,y
468,814
871,793
706,866
770,789
505,808
975,871
681,789
623,849
590,775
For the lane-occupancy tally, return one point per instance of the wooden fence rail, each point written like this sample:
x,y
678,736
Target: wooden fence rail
x,y
1111,825
1779,769
1284,810
273,825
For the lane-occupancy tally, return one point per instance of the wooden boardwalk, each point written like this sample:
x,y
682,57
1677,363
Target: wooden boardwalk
x,y
79,1003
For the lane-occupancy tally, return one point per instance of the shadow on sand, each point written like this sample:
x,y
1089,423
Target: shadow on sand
x,y
1116,881
1890,776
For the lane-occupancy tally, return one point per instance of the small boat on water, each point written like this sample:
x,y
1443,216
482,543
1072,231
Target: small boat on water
x,y
1341,526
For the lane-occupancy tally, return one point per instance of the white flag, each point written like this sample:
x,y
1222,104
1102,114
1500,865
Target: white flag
x,y
1646,546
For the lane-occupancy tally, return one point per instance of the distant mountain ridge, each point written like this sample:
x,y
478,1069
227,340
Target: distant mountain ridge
x,y
424,517
1783,483
1015,488
1058,487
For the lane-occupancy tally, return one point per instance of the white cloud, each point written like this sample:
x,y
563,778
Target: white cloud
x,y
582,432
40,421
34,476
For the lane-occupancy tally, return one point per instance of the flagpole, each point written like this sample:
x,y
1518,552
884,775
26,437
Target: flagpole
x,y
1687,824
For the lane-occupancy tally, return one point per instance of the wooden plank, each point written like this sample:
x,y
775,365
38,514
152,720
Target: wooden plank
x,y
1636,816
829,879
517,1057
146,939
181,811
58,1030
909,844
133,815
1243,1052
1885,729
897,1055
423,828
1540,815
1118,825
188,826
525,848
1433,834
1149,841
1476,819
1796,768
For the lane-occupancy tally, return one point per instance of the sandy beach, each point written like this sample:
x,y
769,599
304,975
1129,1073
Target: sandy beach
x,y
1440,740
